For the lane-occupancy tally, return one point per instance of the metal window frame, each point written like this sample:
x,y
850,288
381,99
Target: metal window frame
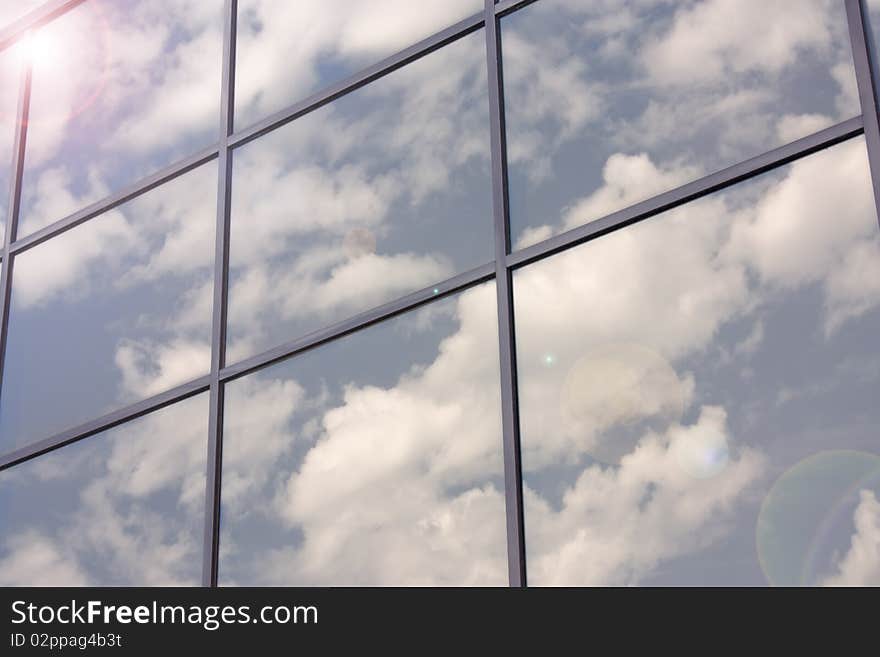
x,y
500,269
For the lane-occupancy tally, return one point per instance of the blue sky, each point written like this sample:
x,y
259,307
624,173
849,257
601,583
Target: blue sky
x,y
681,381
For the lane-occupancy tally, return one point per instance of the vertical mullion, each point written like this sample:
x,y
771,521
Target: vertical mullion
x,y
14,206
862,44
221,283
516,555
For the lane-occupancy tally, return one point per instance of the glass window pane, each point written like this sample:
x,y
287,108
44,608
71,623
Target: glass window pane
x,y
873,19
288,50
383,192
373,460
12,11
10,72
121,88
121,508
608,105
698,392
112,311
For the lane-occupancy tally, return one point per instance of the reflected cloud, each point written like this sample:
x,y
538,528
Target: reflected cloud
x,y
807,518
362,201
661,367
616,525
618,384
595,88
650,437
122,508
861,564
10,73
134,286
334,45
373,460
124,86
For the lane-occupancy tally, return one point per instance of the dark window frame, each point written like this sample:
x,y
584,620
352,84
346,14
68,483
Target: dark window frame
x,y
500,269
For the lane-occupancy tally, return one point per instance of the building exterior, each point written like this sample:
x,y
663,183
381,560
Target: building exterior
x,y
566,292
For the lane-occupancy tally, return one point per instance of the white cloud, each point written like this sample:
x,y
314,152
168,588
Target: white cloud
x,y
150,367
318,204
712,39
794,126
694,86
617,524
354,35
138,500
671,293
860,566
65,263
257,434
394,476
853,287
396,483
554,100
126,91
627,179
795,236
32,559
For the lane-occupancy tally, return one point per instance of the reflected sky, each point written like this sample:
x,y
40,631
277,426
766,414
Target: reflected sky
x,y
608,103
12,10
383,192
120,89
698,392
373,460
9,81
121,508
288,50
115,310
874,18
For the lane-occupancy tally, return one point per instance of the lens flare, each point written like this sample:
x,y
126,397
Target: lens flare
x,y
70,70
701,452
612,388
806,519
41,49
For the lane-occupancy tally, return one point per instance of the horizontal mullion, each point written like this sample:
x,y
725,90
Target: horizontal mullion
x,y
105,422
505,7
126,194
359,79
689,192
369,74
380,313
35,18
203,383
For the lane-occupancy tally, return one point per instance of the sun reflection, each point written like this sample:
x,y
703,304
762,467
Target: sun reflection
x,y
71,61
40,48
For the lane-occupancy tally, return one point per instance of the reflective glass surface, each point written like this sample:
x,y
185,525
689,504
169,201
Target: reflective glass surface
x,y
9,83
288,50
121,88
381,193
373,460
121,508
112,311
873,19
609,103
12,10
698,392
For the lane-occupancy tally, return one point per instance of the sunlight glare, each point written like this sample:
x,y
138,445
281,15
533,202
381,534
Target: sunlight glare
x,y
40,48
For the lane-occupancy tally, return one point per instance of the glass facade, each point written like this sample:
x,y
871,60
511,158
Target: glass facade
x,y
549,292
